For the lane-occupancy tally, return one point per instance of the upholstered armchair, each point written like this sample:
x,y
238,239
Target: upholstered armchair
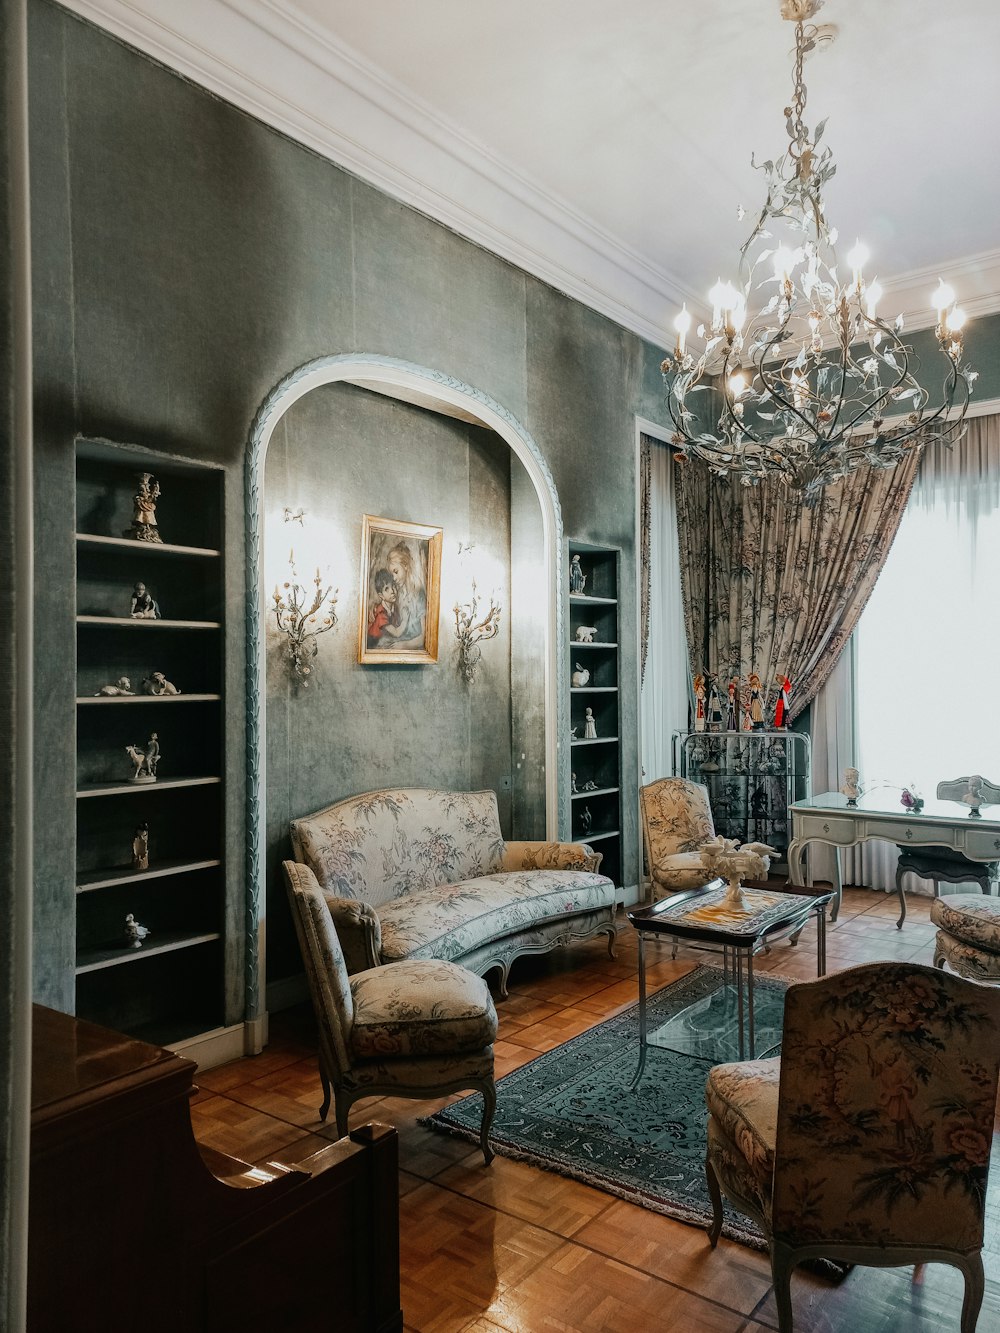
x,y
868,1139
417,1028
676,824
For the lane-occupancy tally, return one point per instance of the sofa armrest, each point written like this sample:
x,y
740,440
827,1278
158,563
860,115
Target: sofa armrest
x,y
359,931
550,856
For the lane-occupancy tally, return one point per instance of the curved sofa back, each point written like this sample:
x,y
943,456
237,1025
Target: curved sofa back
x,y
382,844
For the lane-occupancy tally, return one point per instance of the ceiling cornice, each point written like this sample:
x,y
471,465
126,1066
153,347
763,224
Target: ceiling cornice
x,y
327,96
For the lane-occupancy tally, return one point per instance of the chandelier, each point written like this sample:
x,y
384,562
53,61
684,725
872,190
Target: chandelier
x,y
799,377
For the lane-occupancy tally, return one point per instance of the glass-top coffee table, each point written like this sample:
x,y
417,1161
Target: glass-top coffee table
x,y
729,1024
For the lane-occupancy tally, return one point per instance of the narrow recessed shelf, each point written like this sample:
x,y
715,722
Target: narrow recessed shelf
x,y
91,541
593,689
147,698
598,837
597,791
581,599
585,646
601,740
108,878
133,788
126,622
95,959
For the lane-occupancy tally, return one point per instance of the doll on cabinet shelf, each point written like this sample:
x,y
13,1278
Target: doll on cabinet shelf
x,y
714,708
577,578
698,685
733,711
756,705
589,726
781,703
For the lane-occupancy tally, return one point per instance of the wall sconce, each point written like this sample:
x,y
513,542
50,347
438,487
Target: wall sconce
x,y
474,629
301,620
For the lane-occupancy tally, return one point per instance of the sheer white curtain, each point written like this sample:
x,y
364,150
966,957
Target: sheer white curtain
x,y
913,705
664,698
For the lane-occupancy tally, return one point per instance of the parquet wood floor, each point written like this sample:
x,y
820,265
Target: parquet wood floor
x,y
523,1250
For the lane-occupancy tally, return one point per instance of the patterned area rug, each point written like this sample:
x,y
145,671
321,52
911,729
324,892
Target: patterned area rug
x,y
570,1110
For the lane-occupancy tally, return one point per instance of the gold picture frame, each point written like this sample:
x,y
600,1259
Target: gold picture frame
x,y
400,591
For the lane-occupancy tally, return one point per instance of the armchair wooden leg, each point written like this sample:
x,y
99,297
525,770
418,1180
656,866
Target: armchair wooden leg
x,y
782,1265
324,1109
715,1194
489,1107
975,1284
612,936
343,1105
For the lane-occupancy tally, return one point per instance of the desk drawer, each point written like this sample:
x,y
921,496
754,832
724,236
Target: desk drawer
x,y
980,844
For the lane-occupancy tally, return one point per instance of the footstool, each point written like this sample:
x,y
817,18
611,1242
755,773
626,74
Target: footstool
x,y
968,937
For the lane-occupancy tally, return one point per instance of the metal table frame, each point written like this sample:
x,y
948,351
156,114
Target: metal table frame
x,y
737,947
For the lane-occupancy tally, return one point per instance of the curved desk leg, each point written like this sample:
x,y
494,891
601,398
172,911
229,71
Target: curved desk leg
x,y
642,1013
796,848
902,897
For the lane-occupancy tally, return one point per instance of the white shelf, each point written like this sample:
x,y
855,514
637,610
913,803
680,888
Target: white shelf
x,y
598,837
598,791
108,878
134,788
585,646
87,699
593,689
96,959
581,599
90,541
123,622
601,740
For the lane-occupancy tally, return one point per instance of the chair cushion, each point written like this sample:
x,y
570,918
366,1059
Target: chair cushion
x,y
963,959
681,870
743,1098
449,920
969,918
420,1007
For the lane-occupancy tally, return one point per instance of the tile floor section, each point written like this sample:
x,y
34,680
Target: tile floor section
x,y
518,1249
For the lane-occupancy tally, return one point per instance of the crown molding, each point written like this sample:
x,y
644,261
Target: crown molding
x,y
271,61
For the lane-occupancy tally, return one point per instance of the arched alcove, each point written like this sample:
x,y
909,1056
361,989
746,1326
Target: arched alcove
x,y
439,393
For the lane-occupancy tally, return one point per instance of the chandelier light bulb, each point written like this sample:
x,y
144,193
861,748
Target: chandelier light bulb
x,y
785,261
873,294
956,319
738,383
682,323
943,297
858,258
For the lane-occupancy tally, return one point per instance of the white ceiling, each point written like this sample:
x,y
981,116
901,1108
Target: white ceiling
x,y
606,147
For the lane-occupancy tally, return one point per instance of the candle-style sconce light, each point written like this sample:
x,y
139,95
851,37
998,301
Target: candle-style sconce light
x,y
474,627
300,615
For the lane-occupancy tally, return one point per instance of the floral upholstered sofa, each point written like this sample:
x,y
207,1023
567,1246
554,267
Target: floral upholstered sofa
x,y
415,873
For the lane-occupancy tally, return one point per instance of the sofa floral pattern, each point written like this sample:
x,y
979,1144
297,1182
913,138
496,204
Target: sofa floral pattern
x,y
677,822
888,1083
414,873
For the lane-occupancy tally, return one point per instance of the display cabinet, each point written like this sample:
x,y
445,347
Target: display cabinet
x,y
595,759
149,848
752,778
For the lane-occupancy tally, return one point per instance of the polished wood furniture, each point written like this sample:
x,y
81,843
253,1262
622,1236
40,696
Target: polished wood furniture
x,y
132,1227
700,917
829,818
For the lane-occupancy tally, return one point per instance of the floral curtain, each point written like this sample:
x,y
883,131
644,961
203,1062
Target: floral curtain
x,y
773,586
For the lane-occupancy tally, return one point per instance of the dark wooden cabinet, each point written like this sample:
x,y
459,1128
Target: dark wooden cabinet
x,y
133,1229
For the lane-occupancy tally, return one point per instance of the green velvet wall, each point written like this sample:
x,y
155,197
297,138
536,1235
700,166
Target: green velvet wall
x,y
186,258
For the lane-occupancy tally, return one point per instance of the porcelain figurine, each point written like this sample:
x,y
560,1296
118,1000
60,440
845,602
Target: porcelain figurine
x,y
586,819
577,578
144,606
140,848
144,527
585,633
144,761
725,857
134,933
850,789
121,686
579,677
156,683
572,784
589,726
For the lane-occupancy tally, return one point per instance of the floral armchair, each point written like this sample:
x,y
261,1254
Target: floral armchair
x,y
868,1139
676,824
420,1028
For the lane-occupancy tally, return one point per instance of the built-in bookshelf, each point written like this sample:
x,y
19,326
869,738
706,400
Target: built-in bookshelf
x,y
171,987
596,761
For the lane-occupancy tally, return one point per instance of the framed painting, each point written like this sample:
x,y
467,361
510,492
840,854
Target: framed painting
x,y
400,591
